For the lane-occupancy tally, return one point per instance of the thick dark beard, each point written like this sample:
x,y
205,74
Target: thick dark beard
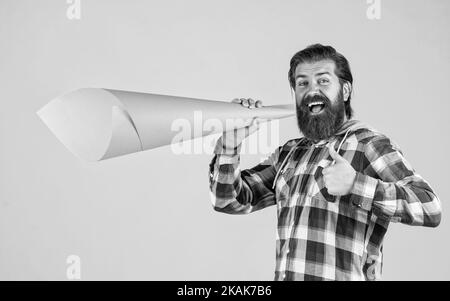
x,y
324,125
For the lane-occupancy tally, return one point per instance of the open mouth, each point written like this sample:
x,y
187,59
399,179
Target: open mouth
x,y
316,107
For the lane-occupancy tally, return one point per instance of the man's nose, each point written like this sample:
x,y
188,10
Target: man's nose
x,y
314,90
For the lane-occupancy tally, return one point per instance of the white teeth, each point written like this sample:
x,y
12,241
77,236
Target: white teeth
x,y
315,103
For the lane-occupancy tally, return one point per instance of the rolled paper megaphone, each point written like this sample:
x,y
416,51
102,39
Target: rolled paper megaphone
x,y
97,124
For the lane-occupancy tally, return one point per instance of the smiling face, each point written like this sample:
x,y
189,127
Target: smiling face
x,y
319,99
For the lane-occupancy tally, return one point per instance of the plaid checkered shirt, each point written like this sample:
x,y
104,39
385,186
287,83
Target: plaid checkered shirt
x,y
321,236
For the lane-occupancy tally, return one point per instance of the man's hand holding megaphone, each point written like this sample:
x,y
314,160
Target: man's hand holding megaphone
x,y
231,140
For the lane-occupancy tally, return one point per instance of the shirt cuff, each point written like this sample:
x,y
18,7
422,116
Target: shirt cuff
x,y
363,191
222,149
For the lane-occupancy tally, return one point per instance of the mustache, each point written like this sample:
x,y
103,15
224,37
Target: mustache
x,y
307,99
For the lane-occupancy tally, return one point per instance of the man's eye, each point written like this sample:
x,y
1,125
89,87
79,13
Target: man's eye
x,y
302,84
323,81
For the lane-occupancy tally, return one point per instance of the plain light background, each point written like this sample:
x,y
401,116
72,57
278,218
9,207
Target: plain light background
x,y
148,216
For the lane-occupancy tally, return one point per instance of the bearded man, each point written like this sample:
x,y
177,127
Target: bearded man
x,y
336,189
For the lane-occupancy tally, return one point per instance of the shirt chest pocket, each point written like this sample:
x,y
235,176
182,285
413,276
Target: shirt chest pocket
x,y
285,177
285,183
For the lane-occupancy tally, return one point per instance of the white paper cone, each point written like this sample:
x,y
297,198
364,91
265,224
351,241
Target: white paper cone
x,y
96,124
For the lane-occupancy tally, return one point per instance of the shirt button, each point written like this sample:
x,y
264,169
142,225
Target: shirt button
x,y
287,252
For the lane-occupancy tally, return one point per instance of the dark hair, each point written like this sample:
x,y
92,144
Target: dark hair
x,y
319,52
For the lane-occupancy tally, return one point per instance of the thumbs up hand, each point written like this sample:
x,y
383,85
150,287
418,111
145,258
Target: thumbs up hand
x,y
340,176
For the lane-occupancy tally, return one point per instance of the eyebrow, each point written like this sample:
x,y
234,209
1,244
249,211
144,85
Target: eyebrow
x,y
318,74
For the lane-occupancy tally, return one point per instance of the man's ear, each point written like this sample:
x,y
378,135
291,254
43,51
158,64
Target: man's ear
x,y
347,90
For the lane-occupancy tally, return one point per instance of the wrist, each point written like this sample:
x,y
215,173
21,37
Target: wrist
x,y
222,148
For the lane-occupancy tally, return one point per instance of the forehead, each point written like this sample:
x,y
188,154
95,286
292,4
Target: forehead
x,y
313,68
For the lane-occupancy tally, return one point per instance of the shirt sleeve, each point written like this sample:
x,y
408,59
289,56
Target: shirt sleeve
x,y
391,188
234,191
